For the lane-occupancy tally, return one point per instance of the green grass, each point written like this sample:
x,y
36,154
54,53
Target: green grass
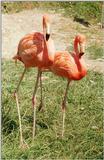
x,y
87,10
95,51
83,132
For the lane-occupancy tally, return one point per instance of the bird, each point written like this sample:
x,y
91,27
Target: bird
x,y
35,49
70,66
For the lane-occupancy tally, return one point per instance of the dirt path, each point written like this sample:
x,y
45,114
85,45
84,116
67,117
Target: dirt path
x,y
15,26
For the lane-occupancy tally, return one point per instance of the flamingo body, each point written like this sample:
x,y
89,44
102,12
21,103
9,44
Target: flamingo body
x,y
68,65
33,51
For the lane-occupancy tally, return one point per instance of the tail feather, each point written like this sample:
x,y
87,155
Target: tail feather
x,y
16,57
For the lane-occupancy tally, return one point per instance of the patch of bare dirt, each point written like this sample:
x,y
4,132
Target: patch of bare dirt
x,y
15,26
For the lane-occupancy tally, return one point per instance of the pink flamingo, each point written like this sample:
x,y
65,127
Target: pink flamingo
x,y
70,66
35,50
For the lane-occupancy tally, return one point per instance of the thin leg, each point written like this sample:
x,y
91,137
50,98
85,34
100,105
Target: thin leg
x,y
18,109
34,103
41,103
64,108
21,78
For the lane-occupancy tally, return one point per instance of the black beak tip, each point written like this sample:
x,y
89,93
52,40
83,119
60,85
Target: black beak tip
x,y
47,37
81,54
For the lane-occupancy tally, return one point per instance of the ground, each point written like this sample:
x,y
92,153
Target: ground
x,y
15,26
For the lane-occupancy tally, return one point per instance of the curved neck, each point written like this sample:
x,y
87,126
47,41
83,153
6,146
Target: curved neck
x,y
76,47
43,28
45,49
48,47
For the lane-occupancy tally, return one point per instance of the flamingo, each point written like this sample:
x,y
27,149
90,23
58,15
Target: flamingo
x,y
34,50
70,66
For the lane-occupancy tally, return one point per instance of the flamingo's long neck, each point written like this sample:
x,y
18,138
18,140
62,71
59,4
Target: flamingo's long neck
x,y
49,49
76,46
77,55
44,26
45,50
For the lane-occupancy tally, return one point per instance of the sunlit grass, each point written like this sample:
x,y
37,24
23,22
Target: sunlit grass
x,y
83,131
95,51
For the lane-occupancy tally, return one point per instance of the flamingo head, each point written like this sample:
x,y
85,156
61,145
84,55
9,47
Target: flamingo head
x,y
46,27
81,40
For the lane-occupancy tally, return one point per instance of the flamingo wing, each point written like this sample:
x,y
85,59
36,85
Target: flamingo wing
x,y
30,49
64,65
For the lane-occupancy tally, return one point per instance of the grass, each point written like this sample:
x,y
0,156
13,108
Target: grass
x,y
95,51
90,11
83,132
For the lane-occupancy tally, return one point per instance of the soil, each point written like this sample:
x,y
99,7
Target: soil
x,y
15,26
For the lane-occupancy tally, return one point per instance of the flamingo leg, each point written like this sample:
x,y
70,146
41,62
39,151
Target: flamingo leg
x,y
18,109
64,108
41,103
21,78
34,104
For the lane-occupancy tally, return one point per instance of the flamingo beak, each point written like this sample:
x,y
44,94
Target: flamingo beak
x,y
47,36
47,32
